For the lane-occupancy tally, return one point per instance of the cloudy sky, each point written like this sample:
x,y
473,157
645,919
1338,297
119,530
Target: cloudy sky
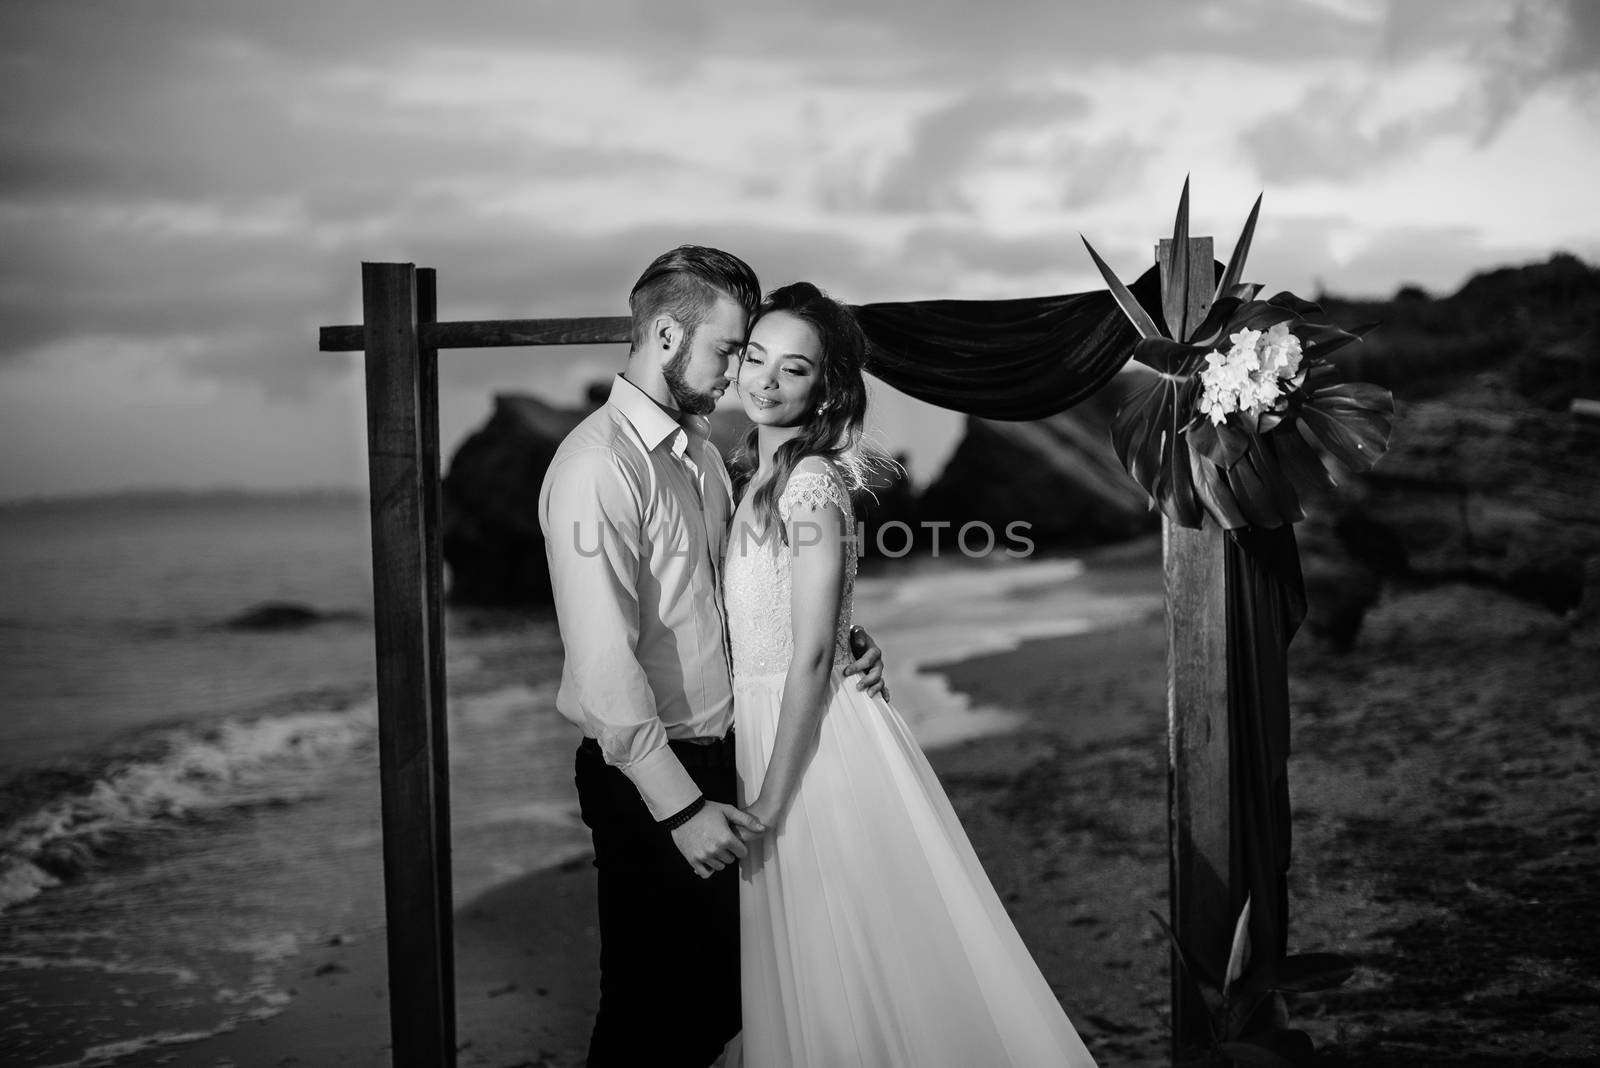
x,y
187,189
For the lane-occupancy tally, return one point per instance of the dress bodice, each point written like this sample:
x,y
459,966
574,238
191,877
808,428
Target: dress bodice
x,y
758,584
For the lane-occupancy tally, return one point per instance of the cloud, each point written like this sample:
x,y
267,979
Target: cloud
x,y
1454,69
964,137
1095,170
1327,135
943,253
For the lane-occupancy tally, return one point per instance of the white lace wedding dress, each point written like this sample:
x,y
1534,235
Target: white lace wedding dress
x,y
870,935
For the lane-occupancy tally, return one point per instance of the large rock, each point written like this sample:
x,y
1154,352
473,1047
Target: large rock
x,y
1059,475
492,544
1483,486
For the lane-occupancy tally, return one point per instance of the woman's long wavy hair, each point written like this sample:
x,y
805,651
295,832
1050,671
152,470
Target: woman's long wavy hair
x,y
834,433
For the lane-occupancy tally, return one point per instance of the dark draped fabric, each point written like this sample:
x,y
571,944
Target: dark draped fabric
x,y
1033,358
1266,604
1004,359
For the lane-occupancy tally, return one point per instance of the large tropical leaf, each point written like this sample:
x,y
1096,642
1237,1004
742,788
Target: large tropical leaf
x,y
1211,486
1258,315
1147,436
1210,329
1253,489
1281,488
1175,280
1318,340
1303,972
1165,355
1124,297
1299,461
1235,269
1221,443
1352,420
1302,308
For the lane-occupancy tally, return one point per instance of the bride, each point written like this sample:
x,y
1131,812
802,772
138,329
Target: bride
x,y
869,933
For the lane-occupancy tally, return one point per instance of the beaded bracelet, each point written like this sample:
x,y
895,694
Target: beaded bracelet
x,y
686,814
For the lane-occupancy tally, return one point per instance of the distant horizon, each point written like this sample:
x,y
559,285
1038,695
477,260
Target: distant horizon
x,y
176,494
900,411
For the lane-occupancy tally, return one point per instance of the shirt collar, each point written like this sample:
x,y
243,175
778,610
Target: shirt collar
x,y
654,423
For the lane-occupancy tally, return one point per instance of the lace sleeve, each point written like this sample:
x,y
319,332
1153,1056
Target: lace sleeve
x,y
812,489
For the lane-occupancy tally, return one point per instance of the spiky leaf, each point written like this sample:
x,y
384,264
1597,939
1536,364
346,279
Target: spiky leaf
x,y
1235,269
1239,953
1124,297
1175,280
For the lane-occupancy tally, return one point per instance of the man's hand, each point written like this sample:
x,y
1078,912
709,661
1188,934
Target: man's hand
x,y
709,842
868,663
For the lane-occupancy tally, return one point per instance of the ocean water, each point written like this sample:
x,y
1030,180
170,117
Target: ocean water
x,y
185,807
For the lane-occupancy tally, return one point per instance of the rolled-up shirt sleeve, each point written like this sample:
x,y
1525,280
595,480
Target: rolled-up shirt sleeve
x,y
592,520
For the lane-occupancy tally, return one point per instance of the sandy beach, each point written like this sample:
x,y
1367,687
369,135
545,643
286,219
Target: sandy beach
x,y
1444,786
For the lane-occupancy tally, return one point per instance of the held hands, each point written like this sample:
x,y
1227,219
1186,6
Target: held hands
x,y
710,840
868,663
764,812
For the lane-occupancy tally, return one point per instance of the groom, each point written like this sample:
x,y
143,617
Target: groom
x,y
635,510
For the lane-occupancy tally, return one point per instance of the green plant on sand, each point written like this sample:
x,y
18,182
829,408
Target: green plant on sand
x,y
1246,1017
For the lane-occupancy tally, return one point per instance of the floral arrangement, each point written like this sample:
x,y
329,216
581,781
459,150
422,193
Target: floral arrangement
x,y
1245,415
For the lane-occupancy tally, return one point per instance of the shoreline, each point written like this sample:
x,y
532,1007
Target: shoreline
x,y
527,950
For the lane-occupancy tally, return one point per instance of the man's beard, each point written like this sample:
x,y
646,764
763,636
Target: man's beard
x,y
684,397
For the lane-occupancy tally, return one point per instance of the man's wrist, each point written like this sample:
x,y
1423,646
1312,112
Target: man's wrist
x,y
685,814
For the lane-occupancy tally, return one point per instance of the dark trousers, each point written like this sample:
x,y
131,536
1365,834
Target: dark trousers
x,y
669,940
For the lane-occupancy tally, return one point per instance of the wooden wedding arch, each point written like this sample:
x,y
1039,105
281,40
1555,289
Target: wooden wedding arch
x,y
401,337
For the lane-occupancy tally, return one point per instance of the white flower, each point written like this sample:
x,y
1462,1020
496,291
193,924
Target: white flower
x,y
1248,376
1280,352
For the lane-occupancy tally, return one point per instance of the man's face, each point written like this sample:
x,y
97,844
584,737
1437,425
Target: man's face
x,y
699,372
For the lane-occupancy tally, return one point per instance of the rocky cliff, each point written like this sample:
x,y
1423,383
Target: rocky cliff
x,y
1058,475
1493,474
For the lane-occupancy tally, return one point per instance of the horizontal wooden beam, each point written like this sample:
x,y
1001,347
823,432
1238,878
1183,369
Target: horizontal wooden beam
x,y
494,333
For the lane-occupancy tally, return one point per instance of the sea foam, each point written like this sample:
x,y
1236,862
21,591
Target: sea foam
x,y
179,775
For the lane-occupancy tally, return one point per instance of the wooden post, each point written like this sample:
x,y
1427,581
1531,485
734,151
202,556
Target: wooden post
x,y
402,451
1198,823
433,567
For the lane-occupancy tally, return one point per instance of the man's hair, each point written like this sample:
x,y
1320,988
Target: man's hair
x,y
685,284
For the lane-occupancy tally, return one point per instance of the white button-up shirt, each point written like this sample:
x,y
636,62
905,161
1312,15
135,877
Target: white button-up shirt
x,y
635,513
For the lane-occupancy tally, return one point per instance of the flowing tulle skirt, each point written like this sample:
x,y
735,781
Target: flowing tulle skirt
x,y
870,934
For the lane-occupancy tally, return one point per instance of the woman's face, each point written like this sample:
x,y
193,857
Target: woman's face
x,y
779,375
